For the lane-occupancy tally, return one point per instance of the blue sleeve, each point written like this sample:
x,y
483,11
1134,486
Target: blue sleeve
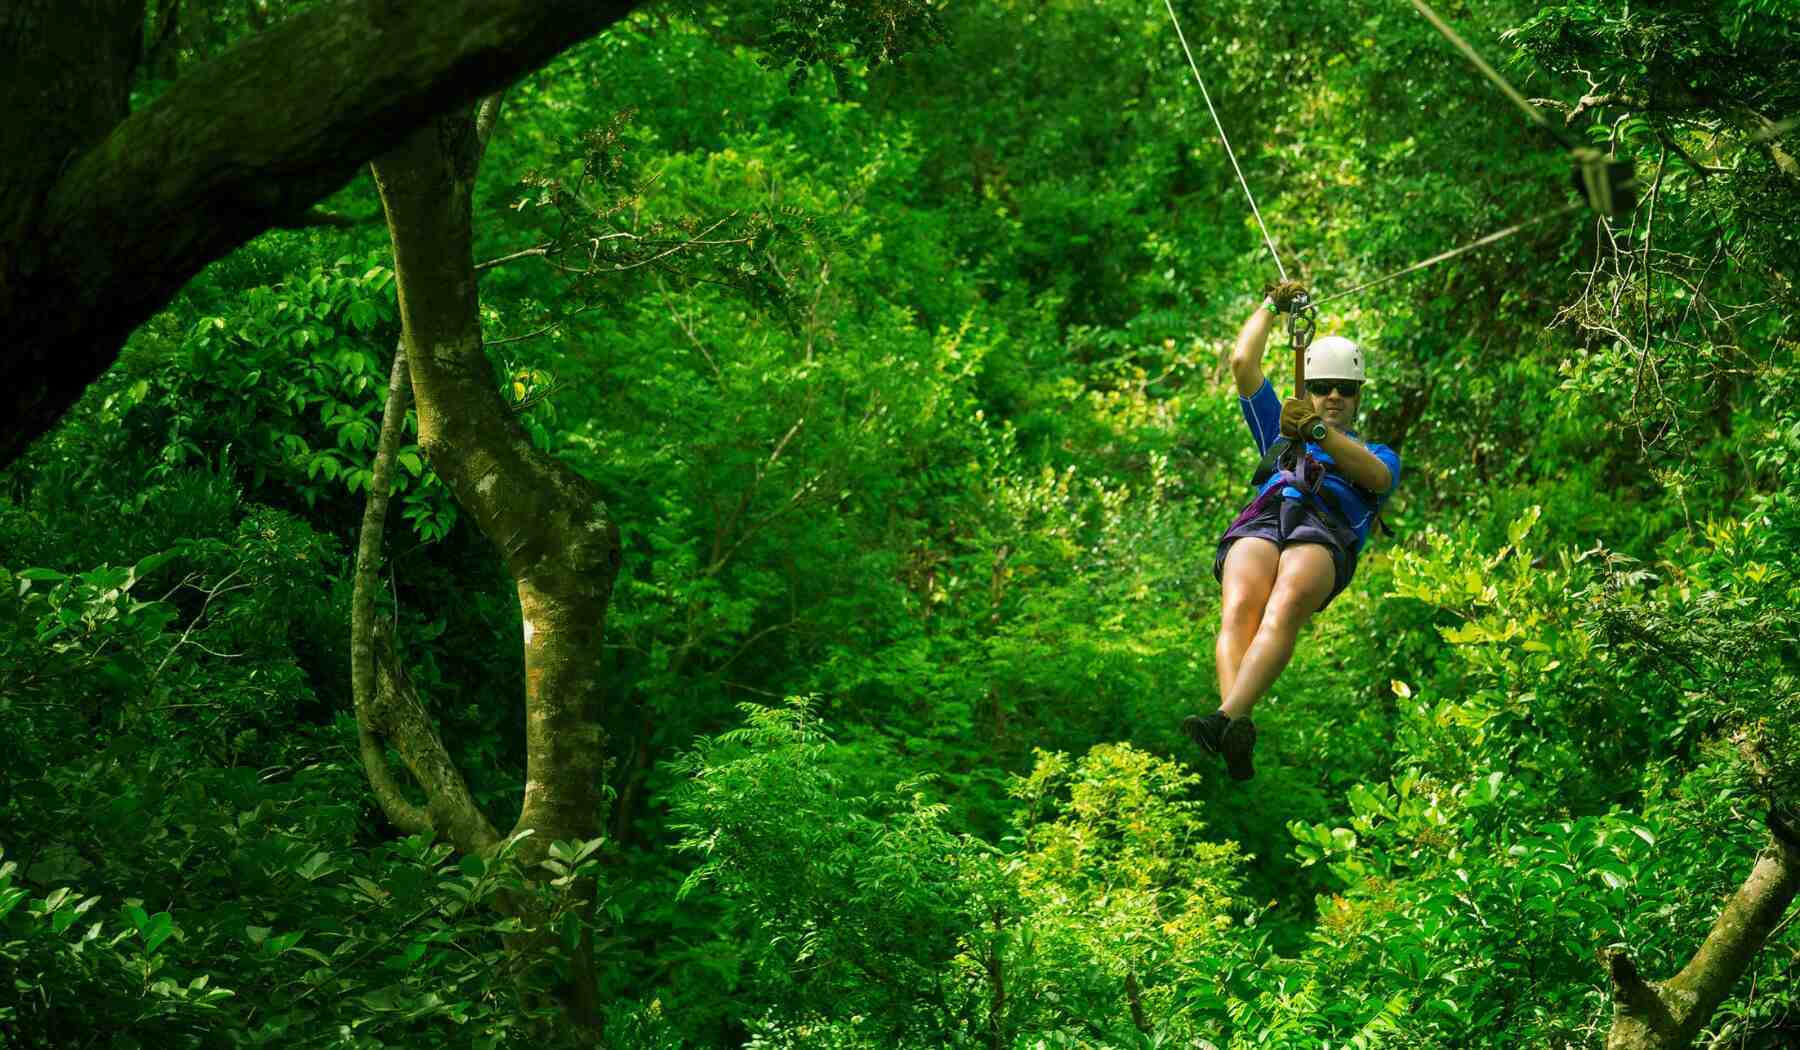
x,y
1392,460
1262,413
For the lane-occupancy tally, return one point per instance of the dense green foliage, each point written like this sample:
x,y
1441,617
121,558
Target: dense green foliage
x,y
919,471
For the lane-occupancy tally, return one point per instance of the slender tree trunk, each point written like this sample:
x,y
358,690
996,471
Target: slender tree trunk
x,y
551,526
387,708
1667,1015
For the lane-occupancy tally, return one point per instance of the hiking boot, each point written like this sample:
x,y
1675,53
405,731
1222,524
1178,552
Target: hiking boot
x,y
1206,730
1236,743
1234,738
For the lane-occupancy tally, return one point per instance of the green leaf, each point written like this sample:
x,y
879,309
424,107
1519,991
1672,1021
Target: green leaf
x,y
147,565
283,941
157,930
10,898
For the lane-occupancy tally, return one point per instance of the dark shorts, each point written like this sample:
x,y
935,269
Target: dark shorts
x,y
1289,521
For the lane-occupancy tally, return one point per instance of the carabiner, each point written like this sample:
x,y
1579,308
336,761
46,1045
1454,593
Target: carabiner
x,y
1303,321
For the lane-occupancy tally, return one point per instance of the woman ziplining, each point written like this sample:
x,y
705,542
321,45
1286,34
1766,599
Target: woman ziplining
x,y
1294,548
1320,487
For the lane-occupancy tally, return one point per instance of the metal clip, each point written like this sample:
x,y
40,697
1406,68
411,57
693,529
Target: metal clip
x,y
1303,321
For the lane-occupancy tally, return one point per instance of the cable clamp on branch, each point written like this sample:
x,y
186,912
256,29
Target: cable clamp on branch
x,y
1609,183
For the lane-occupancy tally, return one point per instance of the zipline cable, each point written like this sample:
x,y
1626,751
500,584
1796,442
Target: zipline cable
x,y
1228,152
1605,178
1607,183
1498,235
1535,114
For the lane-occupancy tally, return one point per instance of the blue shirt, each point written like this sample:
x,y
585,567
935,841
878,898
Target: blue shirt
x,y
1262,411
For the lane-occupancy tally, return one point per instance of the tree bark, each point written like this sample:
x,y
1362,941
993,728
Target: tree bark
x,y
104,216
553,529
1667,1016
387,707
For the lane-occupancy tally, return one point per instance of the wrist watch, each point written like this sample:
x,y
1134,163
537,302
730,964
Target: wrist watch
x,y
1269,305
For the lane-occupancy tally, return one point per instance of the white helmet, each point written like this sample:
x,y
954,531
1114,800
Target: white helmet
x,y
1334,357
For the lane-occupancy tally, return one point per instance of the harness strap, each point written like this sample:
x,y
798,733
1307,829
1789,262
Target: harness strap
x,y
1303,466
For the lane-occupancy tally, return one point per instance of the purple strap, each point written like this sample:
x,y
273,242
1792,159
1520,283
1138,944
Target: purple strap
x,y
1311,473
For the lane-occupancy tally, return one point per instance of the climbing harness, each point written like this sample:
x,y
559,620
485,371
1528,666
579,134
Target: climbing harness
x,y
1301,470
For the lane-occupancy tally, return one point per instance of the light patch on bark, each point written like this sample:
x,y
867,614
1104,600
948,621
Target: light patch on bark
x,y
529,631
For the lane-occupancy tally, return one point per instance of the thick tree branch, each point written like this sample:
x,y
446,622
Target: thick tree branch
x,y
1667,1016
258,134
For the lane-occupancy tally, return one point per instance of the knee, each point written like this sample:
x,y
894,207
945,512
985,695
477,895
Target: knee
x,y
1240,614
1288,611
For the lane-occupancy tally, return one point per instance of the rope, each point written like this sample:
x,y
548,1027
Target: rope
x,y
1454,252
1532,112
1535,115
1216,123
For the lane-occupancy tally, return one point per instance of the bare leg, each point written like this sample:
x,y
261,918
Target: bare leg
x,y
1247,577
1301,585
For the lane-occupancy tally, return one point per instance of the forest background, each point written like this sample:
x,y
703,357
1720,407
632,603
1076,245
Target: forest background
x,y
901,376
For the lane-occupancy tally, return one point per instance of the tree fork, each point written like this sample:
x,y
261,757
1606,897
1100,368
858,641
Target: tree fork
x,y
553,529
1668,1015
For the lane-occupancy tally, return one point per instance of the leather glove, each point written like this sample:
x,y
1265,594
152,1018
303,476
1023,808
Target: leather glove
x,y
1299,421
1284,294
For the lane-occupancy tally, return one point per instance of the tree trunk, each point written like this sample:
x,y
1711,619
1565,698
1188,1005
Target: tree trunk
x,y
552,526
388,710
104,216
1667,1015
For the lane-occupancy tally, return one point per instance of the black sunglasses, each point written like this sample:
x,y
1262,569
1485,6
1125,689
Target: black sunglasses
x,y
1322,387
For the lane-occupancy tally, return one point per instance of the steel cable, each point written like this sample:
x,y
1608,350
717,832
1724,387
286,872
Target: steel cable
x,y
1227,141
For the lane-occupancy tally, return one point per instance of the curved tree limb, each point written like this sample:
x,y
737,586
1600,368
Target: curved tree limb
x,y
105,216
386,706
